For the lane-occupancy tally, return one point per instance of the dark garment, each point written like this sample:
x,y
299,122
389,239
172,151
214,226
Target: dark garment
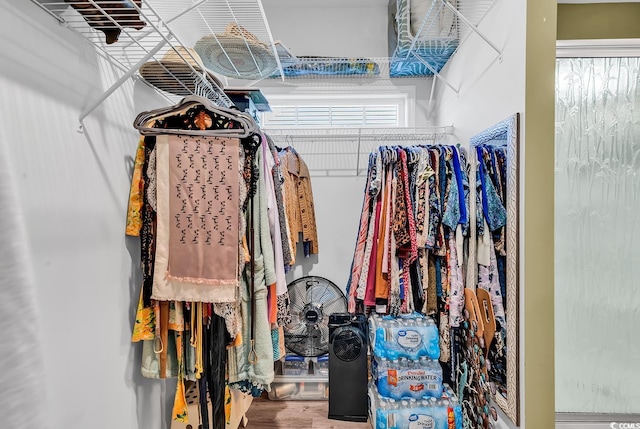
x,y
204,403
459,172
434,201
492,207
465,167
148,230
452,214
438,264
502,277
110,16
215,337
416,286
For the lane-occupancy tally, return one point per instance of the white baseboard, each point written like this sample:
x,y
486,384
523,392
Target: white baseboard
x,y
597,421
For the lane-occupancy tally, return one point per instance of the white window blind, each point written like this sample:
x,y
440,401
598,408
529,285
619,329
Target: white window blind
x,y
322,116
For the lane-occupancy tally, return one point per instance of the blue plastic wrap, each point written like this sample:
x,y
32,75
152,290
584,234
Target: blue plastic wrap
x,y
407,379
410,336
443,413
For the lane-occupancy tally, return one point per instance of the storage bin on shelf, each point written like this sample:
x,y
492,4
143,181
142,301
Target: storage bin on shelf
x,y
410,336
387,413
297,379
295,365
305,387
321,366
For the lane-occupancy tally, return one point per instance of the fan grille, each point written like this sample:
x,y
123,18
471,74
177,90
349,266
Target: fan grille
x,y
311,300
347,344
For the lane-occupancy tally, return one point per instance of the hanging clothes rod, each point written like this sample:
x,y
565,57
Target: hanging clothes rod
x,y
341,152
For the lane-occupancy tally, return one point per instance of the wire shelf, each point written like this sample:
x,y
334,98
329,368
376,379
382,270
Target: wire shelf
x,y
135,34
419,50
343,152
139,37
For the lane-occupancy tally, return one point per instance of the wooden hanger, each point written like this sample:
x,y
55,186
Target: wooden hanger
x,y
145,121
475,315
489,321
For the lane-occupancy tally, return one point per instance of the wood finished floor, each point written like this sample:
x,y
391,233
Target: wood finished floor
x,y
266,414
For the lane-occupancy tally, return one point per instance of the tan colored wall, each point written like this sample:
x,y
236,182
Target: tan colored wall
x,y
599,21
539,392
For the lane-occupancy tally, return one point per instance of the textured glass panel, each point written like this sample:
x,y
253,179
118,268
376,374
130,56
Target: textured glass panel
x,y
597,235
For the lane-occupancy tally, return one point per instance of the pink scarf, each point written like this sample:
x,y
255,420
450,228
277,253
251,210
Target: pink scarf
x,y
203,199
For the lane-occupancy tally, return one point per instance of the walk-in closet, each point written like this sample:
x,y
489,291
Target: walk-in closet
x,y
277,214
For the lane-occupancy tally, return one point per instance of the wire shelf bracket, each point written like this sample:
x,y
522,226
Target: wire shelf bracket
x,y
133,48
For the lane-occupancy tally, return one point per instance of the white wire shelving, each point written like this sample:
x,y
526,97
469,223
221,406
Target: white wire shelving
x,y
343,152
172,28
420,48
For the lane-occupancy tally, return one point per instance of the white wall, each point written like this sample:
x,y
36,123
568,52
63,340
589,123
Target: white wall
x,y
73,191
490,90
330,31
338,204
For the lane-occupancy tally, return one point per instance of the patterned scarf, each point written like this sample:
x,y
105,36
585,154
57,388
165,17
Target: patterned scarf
x,y
203,185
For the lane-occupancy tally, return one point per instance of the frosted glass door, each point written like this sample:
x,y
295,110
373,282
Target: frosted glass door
x,y
597,235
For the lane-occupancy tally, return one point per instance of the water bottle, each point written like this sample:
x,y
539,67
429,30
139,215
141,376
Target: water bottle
x,y
403,363
412,364
413,404
393,405
422,362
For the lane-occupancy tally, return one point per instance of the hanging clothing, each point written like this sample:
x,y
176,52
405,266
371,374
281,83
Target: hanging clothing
x,y
488,279
268,164
384,248
165,288
492,207
299,204
149,223
456,285
358,257
203,214
410,246
136,194
244,375
370,293
371,228
278,182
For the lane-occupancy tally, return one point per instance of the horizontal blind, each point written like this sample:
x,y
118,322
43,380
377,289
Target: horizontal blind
x,y
322,116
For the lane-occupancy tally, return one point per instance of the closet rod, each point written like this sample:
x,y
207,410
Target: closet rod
x,y
360,133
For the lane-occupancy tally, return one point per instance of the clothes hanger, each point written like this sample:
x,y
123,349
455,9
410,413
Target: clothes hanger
x,y
145,121
385,151
413,155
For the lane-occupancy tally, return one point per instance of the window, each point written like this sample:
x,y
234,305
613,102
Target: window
x,y
346,111
322,116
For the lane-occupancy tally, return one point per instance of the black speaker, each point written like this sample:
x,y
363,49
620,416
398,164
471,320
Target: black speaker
x,y
348,372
